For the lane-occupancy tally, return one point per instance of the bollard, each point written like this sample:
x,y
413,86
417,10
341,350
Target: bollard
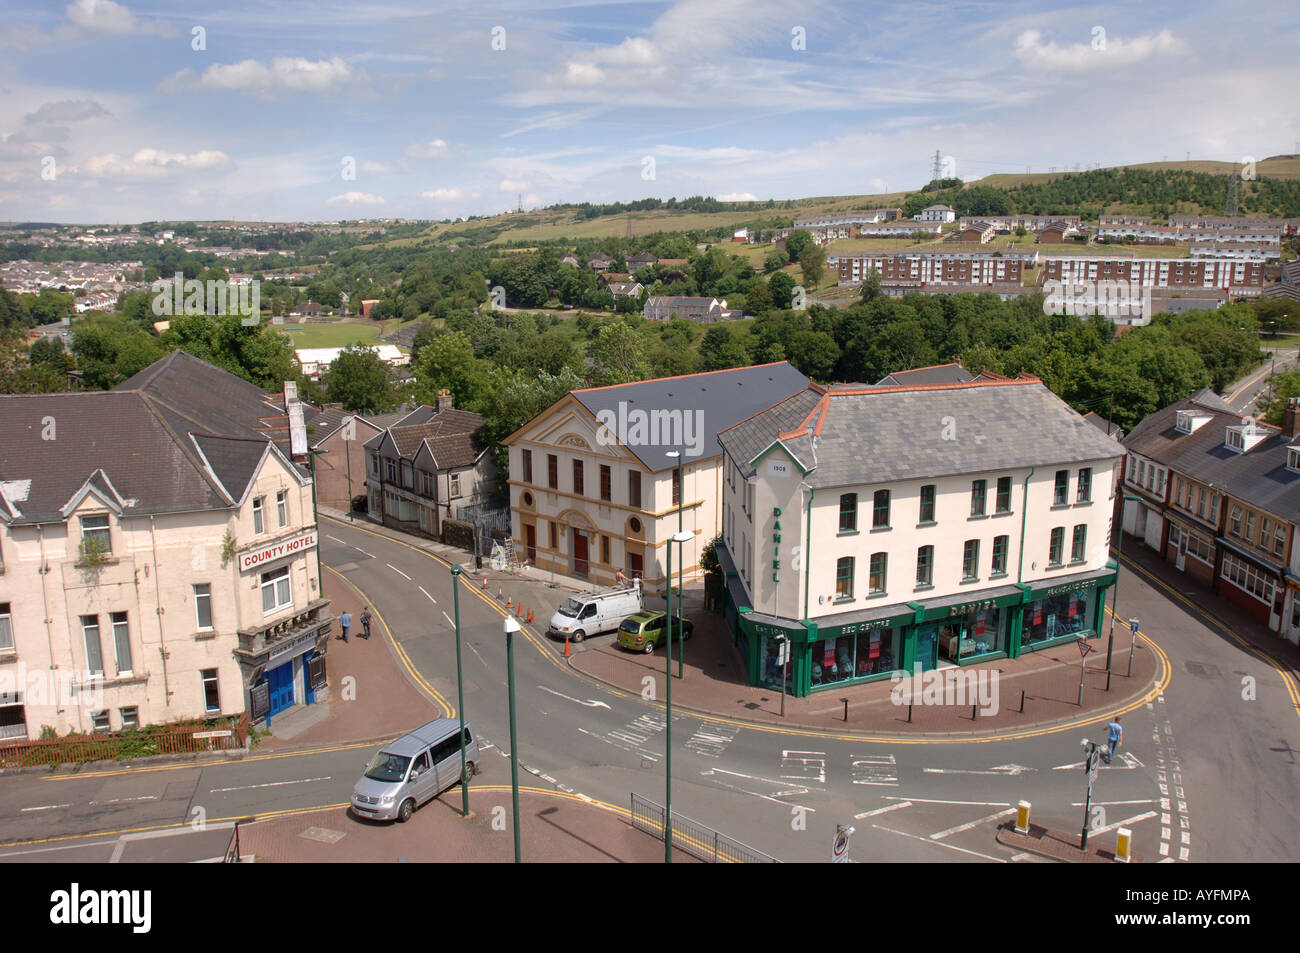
x,y
909,713
1022,817
846,709
1123,845
1022,701
566,645
1107,679
973,713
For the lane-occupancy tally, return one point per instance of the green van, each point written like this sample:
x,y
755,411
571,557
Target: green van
x,y
643,631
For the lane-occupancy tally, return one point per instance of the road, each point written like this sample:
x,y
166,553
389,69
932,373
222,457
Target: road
x,y
1205,773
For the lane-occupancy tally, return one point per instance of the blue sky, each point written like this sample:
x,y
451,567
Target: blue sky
x,y
124,112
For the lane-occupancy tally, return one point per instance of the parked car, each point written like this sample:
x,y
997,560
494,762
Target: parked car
x,y
594,613
360,503
645,630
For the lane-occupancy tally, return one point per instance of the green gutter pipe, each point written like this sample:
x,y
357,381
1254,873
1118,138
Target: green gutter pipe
x,y
1020,571
807,551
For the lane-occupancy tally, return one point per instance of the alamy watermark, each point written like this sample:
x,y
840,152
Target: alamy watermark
x,y
1111,299
635,427
952,687
180,295
56,688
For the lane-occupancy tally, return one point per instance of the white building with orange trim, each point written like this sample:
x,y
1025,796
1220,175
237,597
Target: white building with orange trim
x,y
593,492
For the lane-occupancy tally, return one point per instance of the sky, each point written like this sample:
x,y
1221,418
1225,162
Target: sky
x,y
332,109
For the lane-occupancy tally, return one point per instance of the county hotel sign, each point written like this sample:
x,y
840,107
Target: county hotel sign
x,y
253,558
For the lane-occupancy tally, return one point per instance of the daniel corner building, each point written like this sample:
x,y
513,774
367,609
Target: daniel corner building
x,y
932,519
157,554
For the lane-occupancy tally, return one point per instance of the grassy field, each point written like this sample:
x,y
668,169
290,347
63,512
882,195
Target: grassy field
x,y
331,334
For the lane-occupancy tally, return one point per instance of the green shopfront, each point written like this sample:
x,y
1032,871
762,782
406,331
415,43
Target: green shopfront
x,y
865,646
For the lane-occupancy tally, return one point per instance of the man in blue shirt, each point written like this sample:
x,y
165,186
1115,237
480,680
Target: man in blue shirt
x,y
1114,737
345,622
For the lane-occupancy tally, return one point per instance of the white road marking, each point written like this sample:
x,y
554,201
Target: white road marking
x,y
883,810
448,618
965,827
360,550
1128,820
336,539
922,800
1003,770
811,768
431,599
635,749
875,770
121,800
590,703
711,741
798,789
1080,803
44,807
269,784
400,573
926,840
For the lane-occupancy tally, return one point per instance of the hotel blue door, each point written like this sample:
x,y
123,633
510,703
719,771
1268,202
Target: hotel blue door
x,y
280,681
927,648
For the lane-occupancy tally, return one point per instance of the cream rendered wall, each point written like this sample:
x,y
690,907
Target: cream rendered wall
x,y
755,548
153,566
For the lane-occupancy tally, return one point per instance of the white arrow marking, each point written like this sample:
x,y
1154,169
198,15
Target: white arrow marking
x,y
590,703
1005,770
786,790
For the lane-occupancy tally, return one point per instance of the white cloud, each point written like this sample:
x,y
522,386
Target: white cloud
x,y
105,16
441,194
67,110
285,76
427,150
1101,52
512,185
375,167
152,162
737,197
355,198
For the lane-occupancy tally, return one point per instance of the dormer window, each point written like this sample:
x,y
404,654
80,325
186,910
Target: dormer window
x,y
1188,421
1242,438
1293,459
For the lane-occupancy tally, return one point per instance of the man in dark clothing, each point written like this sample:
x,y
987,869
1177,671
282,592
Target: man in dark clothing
x,y
365,622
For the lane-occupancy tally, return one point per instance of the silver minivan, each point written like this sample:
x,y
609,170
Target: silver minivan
x,y
414,769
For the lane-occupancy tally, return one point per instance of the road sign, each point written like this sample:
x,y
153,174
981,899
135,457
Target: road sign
x,y
1094,757
840,849
1133,625
1084,648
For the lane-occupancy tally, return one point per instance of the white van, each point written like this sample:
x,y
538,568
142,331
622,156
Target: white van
x,y
594,613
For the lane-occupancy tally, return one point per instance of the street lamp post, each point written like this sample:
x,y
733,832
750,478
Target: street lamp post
x,y
460,694
511,627
1119,555
668,719
681,560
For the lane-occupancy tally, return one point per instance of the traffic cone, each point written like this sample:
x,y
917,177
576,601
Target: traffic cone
x,y
510,602
498,592
485,582
530,616
567,653
519,609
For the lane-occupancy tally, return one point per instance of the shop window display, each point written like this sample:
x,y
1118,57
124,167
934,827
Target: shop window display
x,y
1070,613
852,657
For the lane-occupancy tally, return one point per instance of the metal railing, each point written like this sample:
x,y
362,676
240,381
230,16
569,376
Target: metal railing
x,y
232,851
698,840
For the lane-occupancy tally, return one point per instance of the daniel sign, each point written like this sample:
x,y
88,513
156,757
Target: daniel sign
x,y
272,551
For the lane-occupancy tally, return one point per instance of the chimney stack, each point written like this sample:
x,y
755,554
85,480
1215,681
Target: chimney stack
x,y
444,400
1291,418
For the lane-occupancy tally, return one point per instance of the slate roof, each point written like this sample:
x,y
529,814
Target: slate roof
x,y
952,373
326,422
448,434
180,435
1259,476
721,398
884,434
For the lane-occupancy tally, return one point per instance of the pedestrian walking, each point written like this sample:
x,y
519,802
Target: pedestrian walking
x,y
345,622
1114,738
365,622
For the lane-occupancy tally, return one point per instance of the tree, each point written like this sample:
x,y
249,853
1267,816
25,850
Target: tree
x,y
722,349
812,261
796,242
774,261
871,287
19,376
448,362
781,286
618,354
360,381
